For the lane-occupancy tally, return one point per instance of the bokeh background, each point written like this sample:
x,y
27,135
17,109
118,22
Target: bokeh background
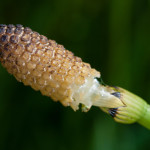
x,y
114,37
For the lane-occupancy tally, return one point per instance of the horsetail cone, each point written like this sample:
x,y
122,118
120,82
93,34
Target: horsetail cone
x,y
49,67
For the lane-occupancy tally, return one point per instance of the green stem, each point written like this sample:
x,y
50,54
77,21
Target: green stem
x,y
145,120
135,109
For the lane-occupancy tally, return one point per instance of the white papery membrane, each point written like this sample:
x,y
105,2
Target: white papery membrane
x,y
92,93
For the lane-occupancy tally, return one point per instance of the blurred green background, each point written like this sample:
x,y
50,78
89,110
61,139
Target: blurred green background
x,y
114,37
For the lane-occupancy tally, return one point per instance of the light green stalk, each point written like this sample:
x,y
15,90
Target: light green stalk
x,y
145,120
135,109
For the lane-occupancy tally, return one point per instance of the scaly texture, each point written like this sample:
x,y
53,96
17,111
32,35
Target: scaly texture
x,y
42,64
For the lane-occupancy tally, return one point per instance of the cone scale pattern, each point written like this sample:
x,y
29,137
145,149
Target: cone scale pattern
x,y
42,64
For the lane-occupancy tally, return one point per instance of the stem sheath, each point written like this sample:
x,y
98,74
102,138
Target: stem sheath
x,y
135,110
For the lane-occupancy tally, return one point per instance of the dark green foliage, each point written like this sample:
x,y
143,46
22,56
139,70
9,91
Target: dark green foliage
x,y
114,37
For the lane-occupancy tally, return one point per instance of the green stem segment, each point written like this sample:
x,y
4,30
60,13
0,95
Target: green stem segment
x,y
135,109
145,120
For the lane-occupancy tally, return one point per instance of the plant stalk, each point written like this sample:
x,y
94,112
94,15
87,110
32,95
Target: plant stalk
x,y
135,109
145,120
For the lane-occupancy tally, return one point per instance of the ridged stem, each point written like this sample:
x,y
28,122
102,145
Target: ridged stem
x,y
134,110
145,120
